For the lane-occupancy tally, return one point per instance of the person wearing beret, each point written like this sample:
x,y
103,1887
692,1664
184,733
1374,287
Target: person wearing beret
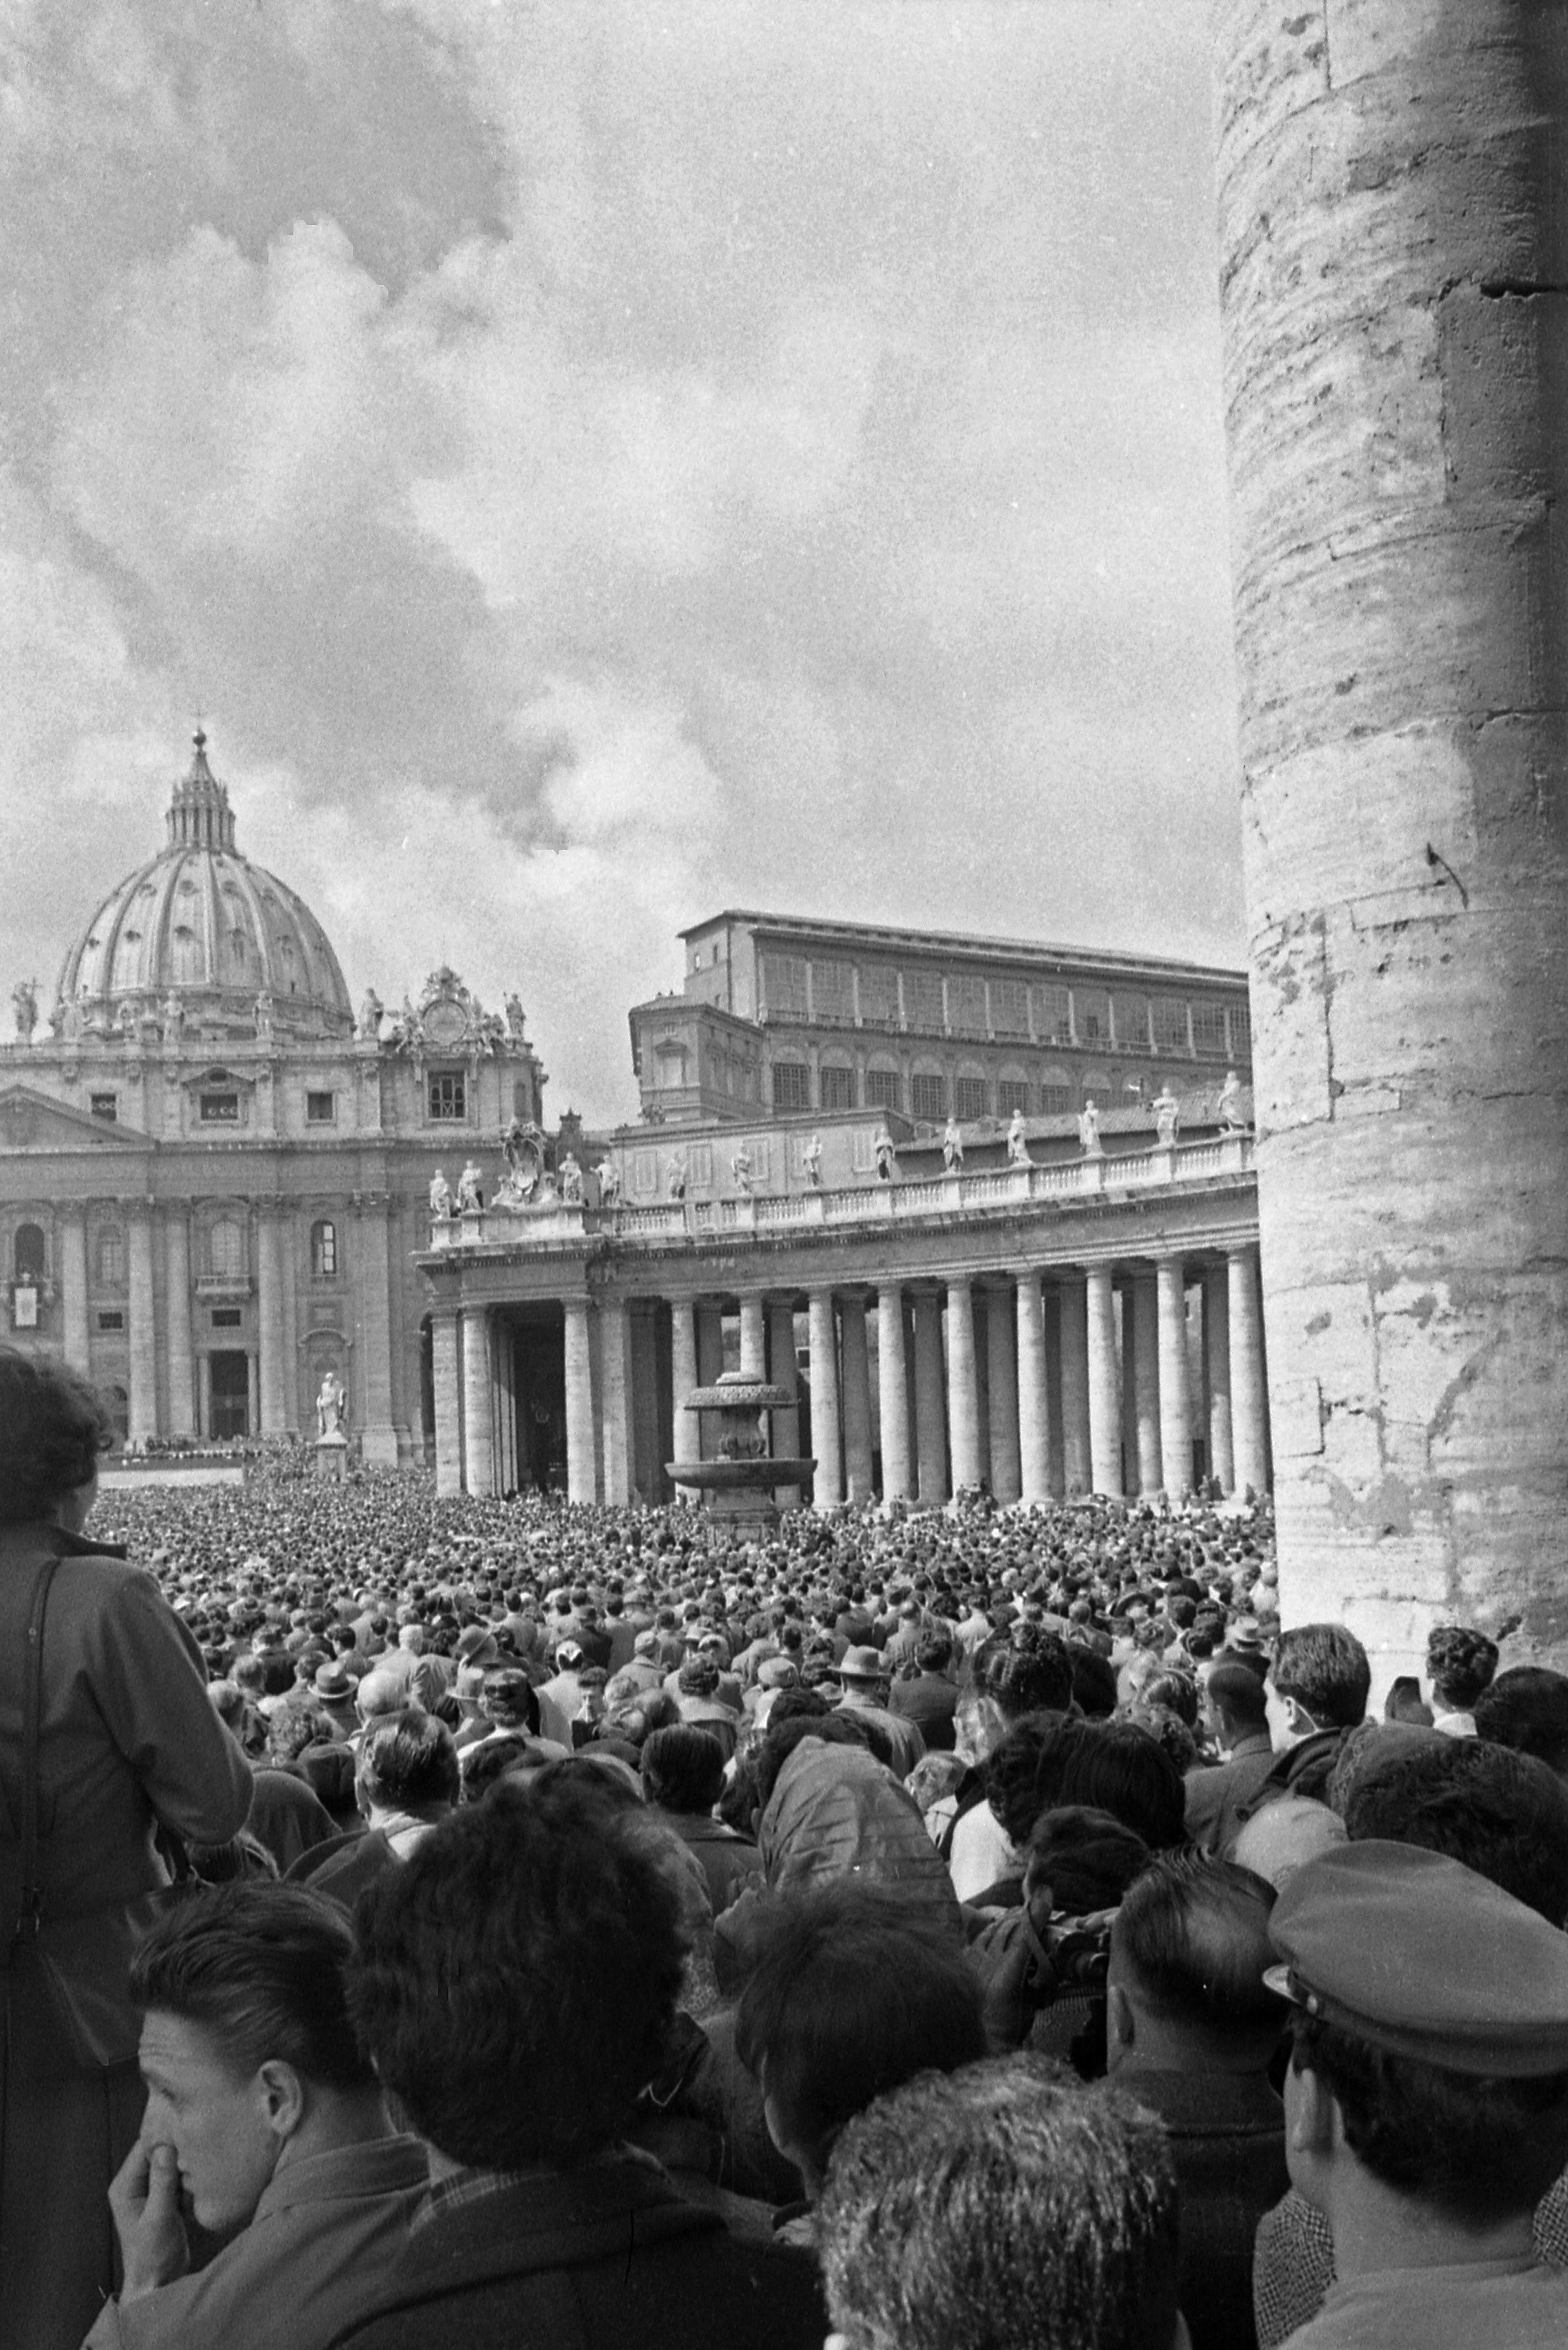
x,y
1427,2099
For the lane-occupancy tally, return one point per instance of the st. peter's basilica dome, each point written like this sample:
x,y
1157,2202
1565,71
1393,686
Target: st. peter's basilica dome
x,y
200,924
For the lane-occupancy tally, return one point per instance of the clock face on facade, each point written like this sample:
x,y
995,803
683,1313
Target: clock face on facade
x,y
445,1024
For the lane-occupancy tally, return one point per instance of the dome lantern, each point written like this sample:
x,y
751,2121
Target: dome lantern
x,y
199,813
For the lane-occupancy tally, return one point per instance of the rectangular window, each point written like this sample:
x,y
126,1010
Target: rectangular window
x,y
784,986
833,994
837,1088
884,1090
111,1258
1055,1100
792,1086
105,1106
1052,1015
878,995
1090,1016
1131,1013
1240,1032
449,1095
319,1109
226,1317
1010,1007
928,1098
923,1007
969,1098
1011,1094
966,1007
1209,1029
1170,1023
111,1320
219,1109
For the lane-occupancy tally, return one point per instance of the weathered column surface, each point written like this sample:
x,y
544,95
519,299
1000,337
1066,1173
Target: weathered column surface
x,y
141,1327
1104,1383
827,1480
893,1395
1175,1385
615,1414
582,1471
1033,1398
1217,1372
478,1402
180,1366
930,1414
1078,1469
269,1316
857,1397
1142,1295
1392,279
963,1386
446,1380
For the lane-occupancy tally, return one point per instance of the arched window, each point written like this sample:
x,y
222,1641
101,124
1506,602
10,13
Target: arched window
x,y
28,1254
226,1248
111,1257
189,959
324,1250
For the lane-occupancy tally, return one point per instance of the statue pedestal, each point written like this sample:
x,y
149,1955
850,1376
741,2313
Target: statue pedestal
x,y
332,1456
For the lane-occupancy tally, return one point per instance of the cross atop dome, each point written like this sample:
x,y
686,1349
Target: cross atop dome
x,y
199,811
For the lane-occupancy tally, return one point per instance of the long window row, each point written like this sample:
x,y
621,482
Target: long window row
x,y
929,1096
827,993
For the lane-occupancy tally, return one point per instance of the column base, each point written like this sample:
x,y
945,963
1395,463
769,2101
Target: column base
x,y
332,1458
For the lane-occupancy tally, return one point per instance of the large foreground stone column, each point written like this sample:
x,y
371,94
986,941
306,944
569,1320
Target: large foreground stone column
x,y
1142,1295
1392,271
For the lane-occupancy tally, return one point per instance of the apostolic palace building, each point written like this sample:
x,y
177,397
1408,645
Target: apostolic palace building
x,y
985,1209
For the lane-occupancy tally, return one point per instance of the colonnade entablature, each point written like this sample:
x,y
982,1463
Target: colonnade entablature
x,y
1045,1339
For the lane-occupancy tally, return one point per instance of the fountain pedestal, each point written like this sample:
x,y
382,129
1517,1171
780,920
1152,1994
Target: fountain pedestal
x,y
738,1478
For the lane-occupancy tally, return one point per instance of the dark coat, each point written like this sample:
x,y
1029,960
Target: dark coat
x,y
606,2258
1227,2135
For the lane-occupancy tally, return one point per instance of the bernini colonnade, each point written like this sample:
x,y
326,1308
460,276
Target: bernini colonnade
x,y
1053,1330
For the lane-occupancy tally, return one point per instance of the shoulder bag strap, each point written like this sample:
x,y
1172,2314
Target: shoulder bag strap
x,y
30,1910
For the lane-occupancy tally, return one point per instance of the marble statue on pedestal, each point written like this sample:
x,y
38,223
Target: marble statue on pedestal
x,y
675,1175
609,1183
514,1015
370,1011
441,1195
1018,1143
331,1405
571,1181
1089,1131
811,1161
470,1197
885,1156
1231,1118
25,1004
741,1168
174,1018
1166,1117
952,1147
264,1016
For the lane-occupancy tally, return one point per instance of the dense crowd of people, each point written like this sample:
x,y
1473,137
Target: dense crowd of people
x,y
975,1928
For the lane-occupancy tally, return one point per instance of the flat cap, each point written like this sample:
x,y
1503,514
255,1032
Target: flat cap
x,y
1420,1956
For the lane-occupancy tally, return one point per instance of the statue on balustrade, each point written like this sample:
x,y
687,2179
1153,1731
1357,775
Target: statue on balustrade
x,y
1232,1117
887,1157
1166,1117
609,1183
25,1004
470,1197
811,1159
1018,1143
675,1171
514,1017
331,1405
441,1195
523,1148
1089,1131
264,1016
571,1181
370,1010
952,1147
741,1168
174,1018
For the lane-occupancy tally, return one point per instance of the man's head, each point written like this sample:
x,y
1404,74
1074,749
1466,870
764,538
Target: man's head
x,y
1527,1709
1320,1680
517,1977
1004,2203
1459,1665
1431,2039
1503,1814
506,1698
409,1764
245,2036
682,1769
1188,1948
1237,1705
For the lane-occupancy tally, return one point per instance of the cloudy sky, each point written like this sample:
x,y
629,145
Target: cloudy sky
x,y
594,463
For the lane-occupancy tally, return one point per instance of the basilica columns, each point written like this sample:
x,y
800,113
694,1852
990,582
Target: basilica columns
x,y
177,1310
74,1289
857,1397
269,1318
893,1395
1033,1393
478,1431
1104,1383
582,1477
378,1440
1393,268
141,1323
828,1484
1175,1387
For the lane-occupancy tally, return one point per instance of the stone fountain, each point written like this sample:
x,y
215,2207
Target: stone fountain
x,y
737,1482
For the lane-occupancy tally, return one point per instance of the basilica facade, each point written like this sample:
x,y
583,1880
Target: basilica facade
x,y
214,1173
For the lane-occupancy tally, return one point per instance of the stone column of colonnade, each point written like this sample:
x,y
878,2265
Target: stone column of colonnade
x,y
1002,1396
73,1262
1142,1297
828,1480
1077,1468
1175,1386
379,1436
754,1336
784,1373
963,1387
1249,1403
1033,1393
582,1476
930,1404
615,1408
1217,1369
141,1324
478,1430
893,1395
269,1317
1394,273
446,1380
856,1393
181,1362
1104,1382
686,1442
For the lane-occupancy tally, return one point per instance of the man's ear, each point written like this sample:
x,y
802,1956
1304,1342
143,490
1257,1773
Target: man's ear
x,y
1314,2127
1121,2024
283,2096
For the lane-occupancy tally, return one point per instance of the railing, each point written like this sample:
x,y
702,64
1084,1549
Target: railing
x,y
872,1201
